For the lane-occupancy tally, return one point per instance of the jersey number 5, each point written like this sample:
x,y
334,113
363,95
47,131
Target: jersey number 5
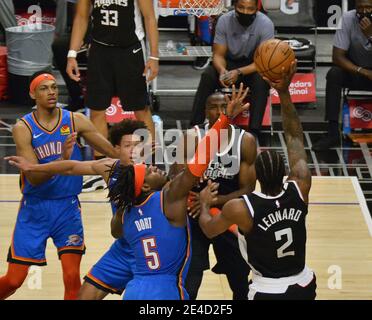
x,y
278,236
151,255
110,18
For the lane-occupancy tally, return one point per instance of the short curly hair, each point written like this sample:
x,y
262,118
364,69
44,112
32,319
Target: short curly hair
x,y
123,128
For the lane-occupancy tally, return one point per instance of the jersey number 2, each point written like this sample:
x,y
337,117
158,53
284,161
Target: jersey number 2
x,y
152,257
110,18
278,236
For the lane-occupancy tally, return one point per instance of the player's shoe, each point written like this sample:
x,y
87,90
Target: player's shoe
x,y
94,183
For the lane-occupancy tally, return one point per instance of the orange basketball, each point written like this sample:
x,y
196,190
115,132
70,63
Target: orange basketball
x,y
271,56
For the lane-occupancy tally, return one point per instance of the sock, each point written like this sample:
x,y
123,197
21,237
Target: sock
x,y
13,279
71,275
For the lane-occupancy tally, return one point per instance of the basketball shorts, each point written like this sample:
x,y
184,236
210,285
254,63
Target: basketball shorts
x,y
295,291
114,270
40,219
155,287
115,71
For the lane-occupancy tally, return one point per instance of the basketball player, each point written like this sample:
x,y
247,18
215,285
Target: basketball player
x,y
116,58
113,271
137,191
49,207
271,223
233,169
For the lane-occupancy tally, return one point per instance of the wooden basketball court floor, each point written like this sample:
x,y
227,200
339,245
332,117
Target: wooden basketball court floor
x,y
339,247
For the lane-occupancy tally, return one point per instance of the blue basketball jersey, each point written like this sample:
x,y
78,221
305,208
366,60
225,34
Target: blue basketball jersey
x,y
159,247
48,147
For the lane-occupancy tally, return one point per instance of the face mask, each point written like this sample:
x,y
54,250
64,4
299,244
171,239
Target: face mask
x,y
245,19
360,16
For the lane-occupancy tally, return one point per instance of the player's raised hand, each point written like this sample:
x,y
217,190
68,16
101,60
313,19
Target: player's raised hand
x,y
209,194
193,204
282,85
19,162
235,104
68,146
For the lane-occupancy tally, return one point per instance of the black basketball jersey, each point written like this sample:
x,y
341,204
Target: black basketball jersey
x,y
275,247
117,22
224,167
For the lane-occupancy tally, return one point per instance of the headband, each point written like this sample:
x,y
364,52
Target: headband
x,y
139,178
40,78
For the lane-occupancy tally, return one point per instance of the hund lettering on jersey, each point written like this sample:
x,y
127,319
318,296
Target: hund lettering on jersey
x,y
52,148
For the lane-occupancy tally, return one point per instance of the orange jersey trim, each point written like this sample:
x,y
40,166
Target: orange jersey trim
x,y
184,265
72,121
23,183
144,202
102,284
80,248
27,124
45,130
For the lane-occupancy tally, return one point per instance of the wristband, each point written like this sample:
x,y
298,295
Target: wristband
x,y
154,58
359,69
72,54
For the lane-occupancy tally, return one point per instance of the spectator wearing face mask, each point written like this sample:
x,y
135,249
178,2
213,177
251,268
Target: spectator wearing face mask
x,y
352,66
238,34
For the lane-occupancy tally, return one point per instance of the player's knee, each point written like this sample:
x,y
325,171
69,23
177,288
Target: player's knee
x,y
71,277
15,283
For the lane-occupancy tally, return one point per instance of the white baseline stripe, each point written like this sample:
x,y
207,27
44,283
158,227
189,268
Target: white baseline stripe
x,y
363,204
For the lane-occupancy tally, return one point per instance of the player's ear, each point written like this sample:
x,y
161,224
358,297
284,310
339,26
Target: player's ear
x,y
32,95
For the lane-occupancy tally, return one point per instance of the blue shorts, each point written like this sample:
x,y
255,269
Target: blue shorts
x,y
114,270
155,287
40,219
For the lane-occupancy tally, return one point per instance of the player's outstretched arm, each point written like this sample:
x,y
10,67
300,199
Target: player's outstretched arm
x,y
176,193
97,141
299,170
22,137
64,167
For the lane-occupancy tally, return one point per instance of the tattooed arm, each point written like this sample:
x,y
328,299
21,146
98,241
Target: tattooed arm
x,y
299,170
